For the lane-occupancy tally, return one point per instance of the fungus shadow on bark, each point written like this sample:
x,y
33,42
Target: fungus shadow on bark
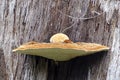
x,y
75,69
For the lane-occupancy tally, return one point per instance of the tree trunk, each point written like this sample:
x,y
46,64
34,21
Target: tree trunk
x,y
95,21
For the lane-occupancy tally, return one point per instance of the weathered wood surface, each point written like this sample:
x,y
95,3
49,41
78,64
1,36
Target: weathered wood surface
x,y
26,20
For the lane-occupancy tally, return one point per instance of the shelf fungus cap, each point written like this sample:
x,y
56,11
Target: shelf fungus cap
x,y
59,38
60,51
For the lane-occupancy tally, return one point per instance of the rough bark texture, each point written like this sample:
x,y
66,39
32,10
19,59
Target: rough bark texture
x,y
26,20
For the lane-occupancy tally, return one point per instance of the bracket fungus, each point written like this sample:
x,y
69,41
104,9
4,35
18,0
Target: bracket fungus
x,y
60,48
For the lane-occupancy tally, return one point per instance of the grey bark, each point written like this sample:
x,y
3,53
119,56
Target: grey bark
x,y
36,20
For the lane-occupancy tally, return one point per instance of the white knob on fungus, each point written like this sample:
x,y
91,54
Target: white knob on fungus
x,y
59,38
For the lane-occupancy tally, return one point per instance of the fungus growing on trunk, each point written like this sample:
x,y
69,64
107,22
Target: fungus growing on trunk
x,y
60,48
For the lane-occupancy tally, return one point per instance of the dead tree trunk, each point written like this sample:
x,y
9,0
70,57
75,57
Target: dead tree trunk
x,y
36,20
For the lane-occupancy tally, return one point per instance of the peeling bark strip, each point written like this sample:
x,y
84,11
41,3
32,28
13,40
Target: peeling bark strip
x,y
25,20
114,67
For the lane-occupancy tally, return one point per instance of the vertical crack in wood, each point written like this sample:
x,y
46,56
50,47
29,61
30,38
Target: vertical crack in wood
x,y
3,73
